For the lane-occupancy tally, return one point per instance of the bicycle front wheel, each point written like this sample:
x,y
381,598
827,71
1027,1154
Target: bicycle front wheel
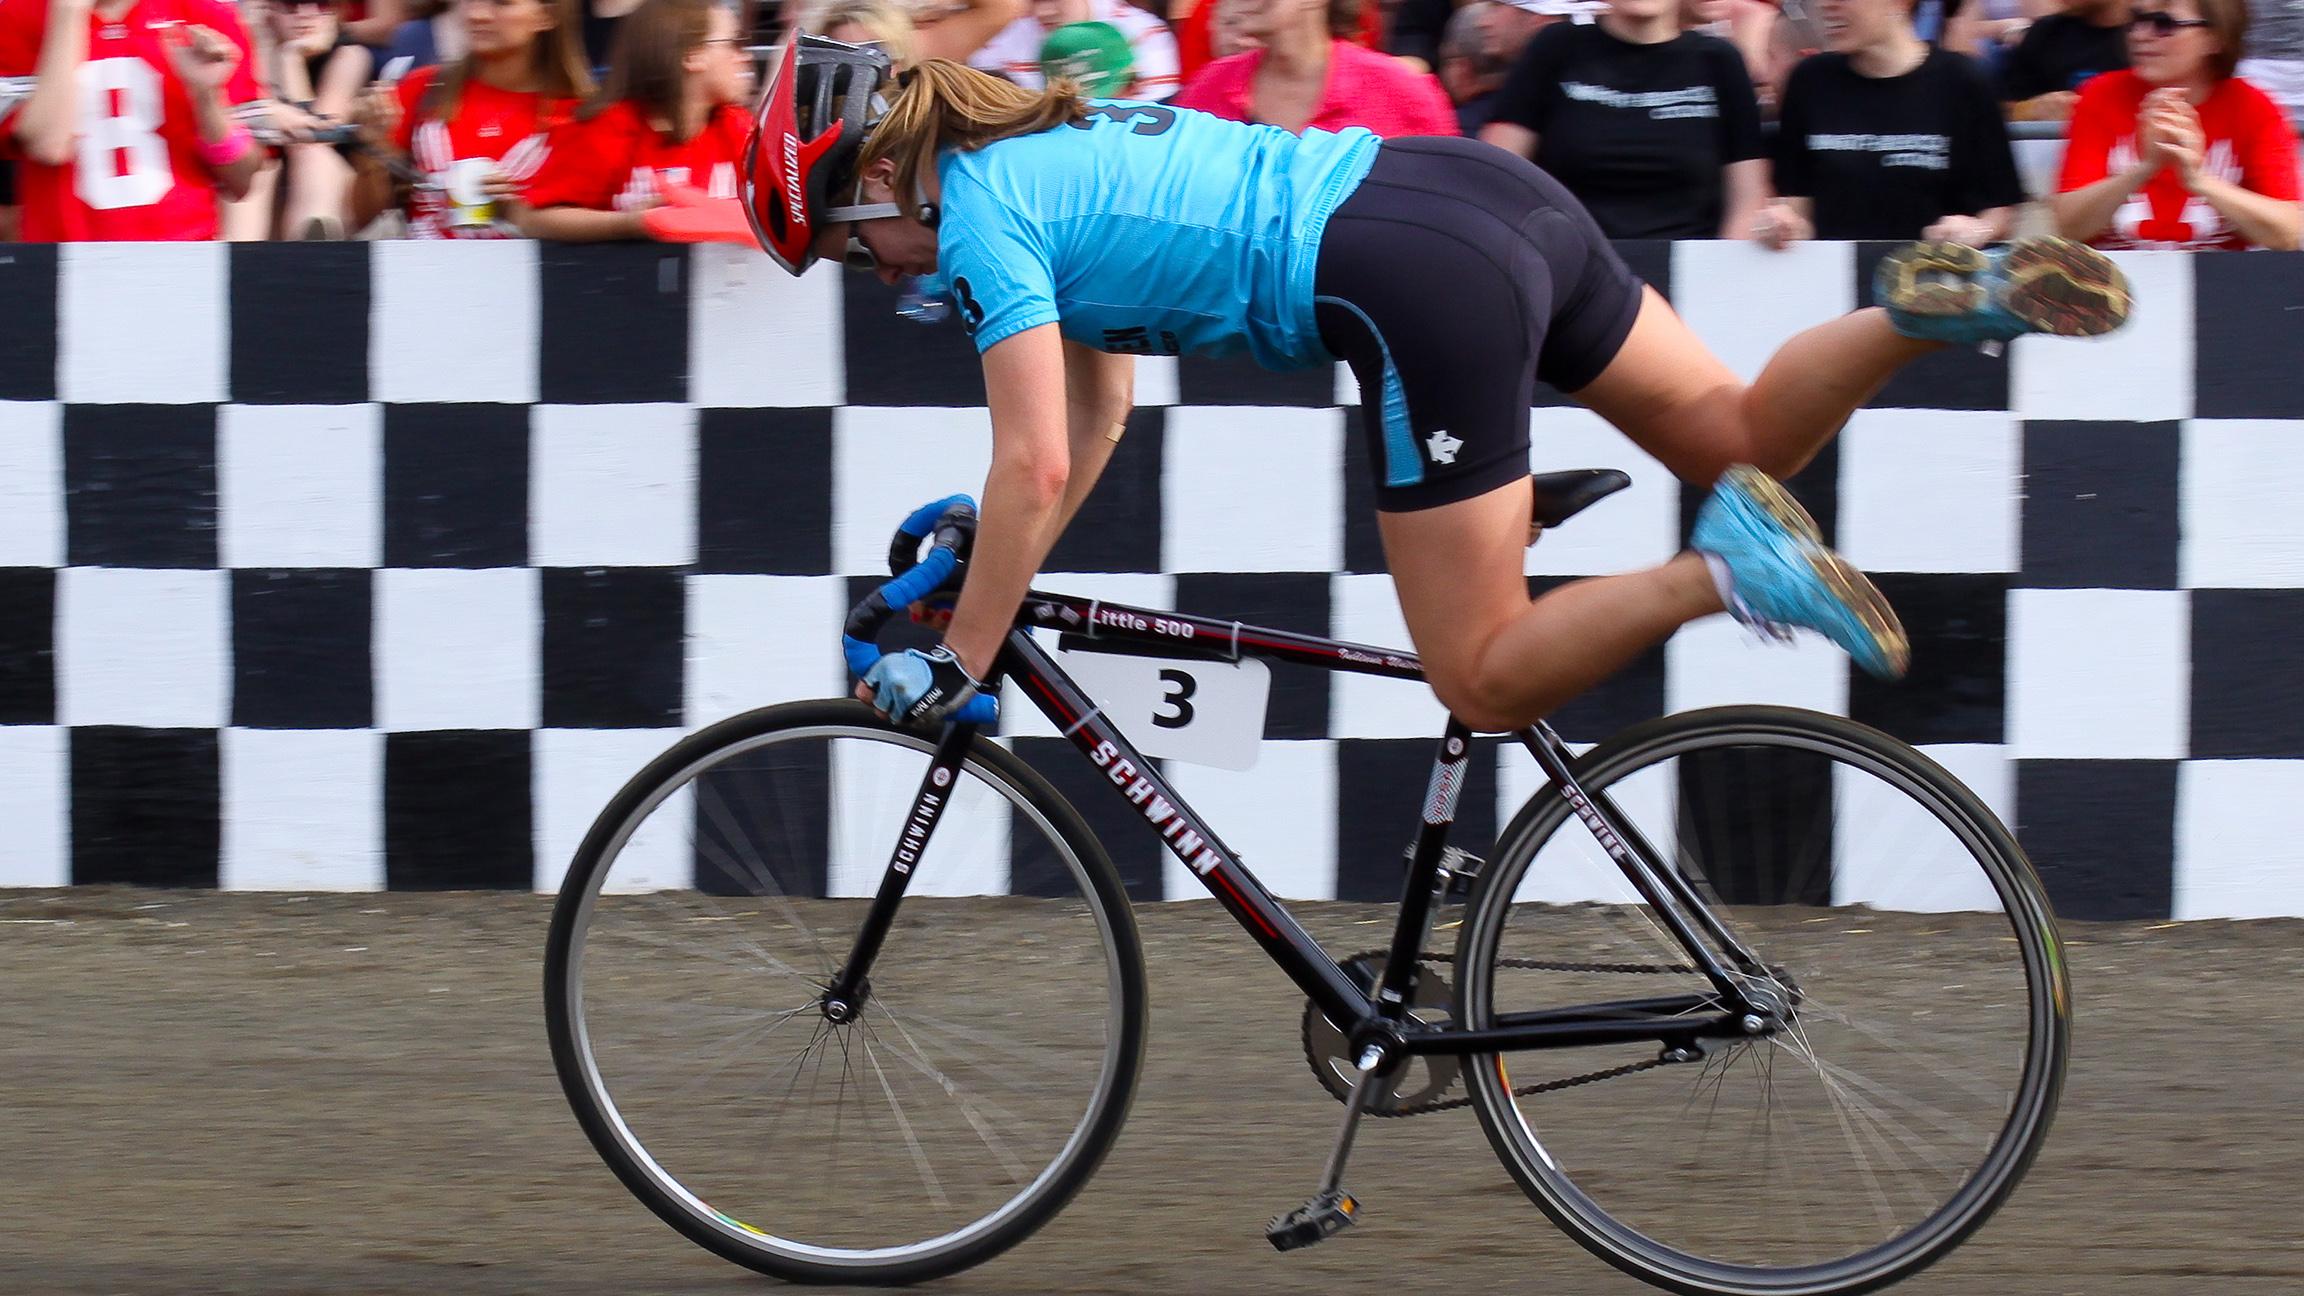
x,y
990,1064
1921,1054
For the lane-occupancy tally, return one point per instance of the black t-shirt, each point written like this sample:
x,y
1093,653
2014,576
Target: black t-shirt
x,y
2058,53
1416,28
1640,133
1885,157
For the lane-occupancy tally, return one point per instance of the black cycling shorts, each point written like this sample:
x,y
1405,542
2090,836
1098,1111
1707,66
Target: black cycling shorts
x,y
1455,278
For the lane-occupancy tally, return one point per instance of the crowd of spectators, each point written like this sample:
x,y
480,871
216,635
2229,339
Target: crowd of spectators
x,y
1770,120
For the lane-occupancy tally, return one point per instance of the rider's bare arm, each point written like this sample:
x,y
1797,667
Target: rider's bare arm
x,y
1025,493
1099,390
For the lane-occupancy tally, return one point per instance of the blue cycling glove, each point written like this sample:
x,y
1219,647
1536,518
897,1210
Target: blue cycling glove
x,y
920,687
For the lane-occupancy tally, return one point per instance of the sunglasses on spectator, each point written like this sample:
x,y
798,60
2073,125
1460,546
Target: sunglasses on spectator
x,y
2163,23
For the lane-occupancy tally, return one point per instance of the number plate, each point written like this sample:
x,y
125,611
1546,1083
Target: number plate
x,y
1208,713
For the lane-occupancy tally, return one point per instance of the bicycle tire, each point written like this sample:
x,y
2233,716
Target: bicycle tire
x,y
779,731
1644,765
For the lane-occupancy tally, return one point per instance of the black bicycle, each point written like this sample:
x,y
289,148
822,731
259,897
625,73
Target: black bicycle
x,y
1748,1000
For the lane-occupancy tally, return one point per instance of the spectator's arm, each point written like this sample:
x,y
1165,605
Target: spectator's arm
x,y
2088,191
375,30
1744,192
341,78
2275,223
2086,212
378,114
2263,205
965,30
581,224
44,123
1989,226
1783,222
206,61
292,76
1511,138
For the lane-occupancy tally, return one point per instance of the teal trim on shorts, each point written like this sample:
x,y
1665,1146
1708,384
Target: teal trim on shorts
x,y
1402,465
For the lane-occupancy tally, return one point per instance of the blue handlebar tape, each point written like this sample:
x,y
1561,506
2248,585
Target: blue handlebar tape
x,y
924,517
921,581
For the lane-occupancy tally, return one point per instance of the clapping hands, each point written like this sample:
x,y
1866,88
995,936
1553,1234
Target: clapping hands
x,y
2169,134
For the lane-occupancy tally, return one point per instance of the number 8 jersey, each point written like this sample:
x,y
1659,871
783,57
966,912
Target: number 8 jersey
x,y
1148,230
135,172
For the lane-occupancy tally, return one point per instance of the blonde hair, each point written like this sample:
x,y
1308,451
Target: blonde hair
x,y
949,105
889,24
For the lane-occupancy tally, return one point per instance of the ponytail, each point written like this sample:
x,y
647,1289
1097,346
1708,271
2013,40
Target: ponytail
x,y
948,105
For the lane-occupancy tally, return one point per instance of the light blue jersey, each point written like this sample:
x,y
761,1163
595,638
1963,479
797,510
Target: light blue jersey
x,y
1147,230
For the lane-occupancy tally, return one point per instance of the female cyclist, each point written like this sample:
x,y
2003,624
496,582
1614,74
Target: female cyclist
x,y
1450,275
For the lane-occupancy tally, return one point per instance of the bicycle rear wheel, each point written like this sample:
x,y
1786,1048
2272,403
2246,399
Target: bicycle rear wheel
x,y
992,1060
1924,1050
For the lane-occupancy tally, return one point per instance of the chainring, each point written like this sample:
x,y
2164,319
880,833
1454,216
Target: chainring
x,y
1422,1079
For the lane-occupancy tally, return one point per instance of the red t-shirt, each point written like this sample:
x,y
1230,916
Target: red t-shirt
x,y
1364,89
613,162
492,130
136,171
1193,37
2249,143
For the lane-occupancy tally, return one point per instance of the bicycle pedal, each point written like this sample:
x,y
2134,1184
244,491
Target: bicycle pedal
x,y
1317,1220
1461,868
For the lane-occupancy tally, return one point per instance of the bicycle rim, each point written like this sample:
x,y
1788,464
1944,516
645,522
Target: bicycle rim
x,y
1921,1064
983,1079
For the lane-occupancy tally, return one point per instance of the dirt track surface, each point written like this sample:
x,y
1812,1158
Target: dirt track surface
x,y
275,1094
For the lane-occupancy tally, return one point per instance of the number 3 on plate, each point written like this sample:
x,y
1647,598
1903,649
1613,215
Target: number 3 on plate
x,y
1179,687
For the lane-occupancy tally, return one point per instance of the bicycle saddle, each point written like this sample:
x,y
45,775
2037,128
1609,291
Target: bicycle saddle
x,y
1562,495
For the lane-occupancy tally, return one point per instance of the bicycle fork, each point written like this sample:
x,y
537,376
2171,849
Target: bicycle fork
x,y
851,986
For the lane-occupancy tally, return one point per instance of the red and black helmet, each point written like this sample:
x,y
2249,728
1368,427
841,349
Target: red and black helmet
x,y
821,101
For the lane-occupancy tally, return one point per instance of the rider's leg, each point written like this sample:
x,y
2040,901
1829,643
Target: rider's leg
x,y
1676,400
1497,660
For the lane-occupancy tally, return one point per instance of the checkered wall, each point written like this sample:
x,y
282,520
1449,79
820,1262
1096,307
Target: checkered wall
x,y
372,566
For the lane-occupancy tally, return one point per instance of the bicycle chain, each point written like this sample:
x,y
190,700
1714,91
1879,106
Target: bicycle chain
x,y
1542,1086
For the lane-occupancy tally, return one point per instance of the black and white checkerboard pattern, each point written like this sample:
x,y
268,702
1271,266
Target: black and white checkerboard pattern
x,y
373,566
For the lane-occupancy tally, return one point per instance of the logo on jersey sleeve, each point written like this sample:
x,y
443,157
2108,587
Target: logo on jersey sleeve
x,y
1442,446
971,311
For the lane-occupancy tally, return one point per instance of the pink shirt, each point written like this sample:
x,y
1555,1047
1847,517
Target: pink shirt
x,y
1364,89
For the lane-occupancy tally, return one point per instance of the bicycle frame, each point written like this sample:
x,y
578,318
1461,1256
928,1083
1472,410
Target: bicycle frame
x,y
1674,1021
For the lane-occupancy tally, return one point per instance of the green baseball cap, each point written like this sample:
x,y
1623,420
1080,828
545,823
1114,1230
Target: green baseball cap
x,y
1094,54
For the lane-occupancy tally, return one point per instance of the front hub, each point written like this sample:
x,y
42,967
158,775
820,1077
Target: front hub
x,y
841,1009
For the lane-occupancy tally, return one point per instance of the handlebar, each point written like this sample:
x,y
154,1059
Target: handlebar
x,y
951,522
